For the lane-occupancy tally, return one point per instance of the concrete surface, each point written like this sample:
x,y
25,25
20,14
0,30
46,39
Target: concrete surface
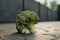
x,y
45,31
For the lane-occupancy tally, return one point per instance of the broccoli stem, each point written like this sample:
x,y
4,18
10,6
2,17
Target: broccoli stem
x,y
31,28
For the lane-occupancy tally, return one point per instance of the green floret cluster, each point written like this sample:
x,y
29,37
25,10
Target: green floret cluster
x,y
26,19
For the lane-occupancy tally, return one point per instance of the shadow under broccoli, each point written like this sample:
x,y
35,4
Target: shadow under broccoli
x,y
26,19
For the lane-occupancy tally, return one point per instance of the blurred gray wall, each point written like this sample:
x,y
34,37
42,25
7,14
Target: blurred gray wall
x,y
44,13
10,8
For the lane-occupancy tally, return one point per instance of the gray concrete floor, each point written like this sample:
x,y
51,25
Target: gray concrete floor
x,y
45,31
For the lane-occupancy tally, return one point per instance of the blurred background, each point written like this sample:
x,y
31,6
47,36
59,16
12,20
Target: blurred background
x,y
47,10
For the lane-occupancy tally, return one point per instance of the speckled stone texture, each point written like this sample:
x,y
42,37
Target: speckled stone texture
x,y
45,31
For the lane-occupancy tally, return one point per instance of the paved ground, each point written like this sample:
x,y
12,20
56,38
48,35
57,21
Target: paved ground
x,y
45,31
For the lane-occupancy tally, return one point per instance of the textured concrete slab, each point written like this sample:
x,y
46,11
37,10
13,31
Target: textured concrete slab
x,y
45,31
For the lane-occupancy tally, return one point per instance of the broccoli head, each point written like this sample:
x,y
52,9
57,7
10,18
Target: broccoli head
x,y
26,19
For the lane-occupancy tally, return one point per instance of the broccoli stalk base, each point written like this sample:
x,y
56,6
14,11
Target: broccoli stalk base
x,y
30,27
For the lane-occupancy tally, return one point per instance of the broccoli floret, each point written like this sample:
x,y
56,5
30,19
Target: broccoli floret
x,y
26,19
